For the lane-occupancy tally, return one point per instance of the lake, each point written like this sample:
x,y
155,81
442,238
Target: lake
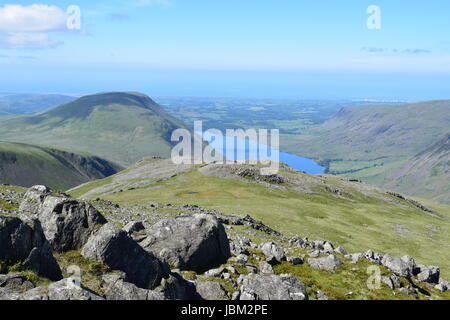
x,y
229,145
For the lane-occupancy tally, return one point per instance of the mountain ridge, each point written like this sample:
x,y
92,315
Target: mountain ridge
x,y
119,126
27,165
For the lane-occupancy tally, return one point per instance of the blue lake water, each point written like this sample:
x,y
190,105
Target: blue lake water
x,y
229,146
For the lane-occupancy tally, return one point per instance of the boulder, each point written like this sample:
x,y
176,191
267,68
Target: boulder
x,y
61,290
67,223
115,248
196,243
210,290
402,267
25,242
294,260
428,274
373,257
328,263
272,252
15,282
341,250
328,247
265,268
355,257
443,285
173,287
272,287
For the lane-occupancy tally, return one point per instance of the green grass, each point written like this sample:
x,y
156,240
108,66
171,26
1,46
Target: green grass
x,y
91,271
27,165
358,223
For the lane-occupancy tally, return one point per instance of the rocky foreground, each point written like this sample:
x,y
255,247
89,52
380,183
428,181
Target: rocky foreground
x,y
55,247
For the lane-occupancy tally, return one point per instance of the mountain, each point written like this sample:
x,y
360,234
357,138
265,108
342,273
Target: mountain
x,y
369,132
354,215
374,143
27,165
118,126
427,174
31,103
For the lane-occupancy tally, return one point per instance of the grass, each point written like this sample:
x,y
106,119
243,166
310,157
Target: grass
x,y
358,223
91,271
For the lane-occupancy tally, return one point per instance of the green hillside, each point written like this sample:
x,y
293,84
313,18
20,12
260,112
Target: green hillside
x,y
27,165
354,215
118,126
374,144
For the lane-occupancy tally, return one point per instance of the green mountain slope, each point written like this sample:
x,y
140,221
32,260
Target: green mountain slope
x,y
28,165
374,144
119,126
427,174
354,215
30,103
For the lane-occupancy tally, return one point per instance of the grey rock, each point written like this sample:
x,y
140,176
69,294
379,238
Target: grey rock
x,y
356,257
251,268
328,247
133,226
63,290
210,290
114,247
329,263
215,272
272,287
15,282
294,260
402,267
173,287
341,250
272,252
428,274
320,295
25,242
241,259
373,257
67,223
195,243
313,253
265,268
443,285
393,281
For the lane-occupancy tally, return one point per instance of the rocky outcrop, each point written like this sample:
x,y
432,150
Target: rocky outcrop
x,y
173,287
195,243
25,243
272,287
273,252
210,290
403,266
115,248
61,290
329,263
67,223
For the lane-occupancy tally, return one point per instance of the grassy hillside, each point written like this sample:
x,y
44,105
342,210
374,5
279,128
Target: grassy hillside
x,y
351,214
26,165
377,144
119,126
31,103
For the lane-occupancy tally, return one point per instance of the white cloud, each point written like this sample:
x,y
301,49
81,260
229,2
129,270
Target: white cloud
x,y
33,18
28,40
27,27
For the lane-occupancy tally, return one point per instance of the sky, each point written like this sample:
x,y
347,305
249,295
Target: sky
x,y
324,49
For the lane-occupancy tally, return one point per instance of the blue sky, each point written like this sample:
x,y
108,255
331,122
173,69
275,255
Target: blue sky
x,y
251,48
